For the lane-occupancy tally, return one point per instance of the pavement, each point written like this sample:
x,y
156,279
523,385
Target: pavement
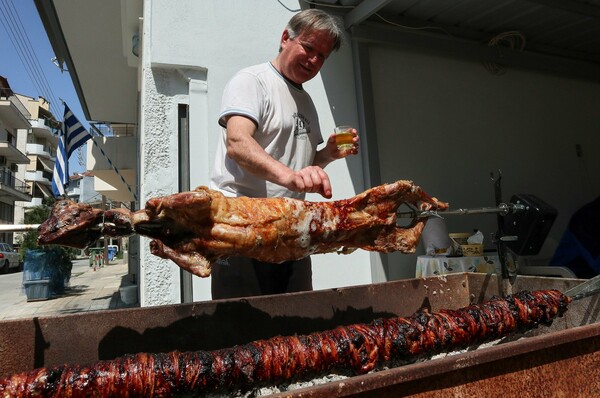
x,y
89,289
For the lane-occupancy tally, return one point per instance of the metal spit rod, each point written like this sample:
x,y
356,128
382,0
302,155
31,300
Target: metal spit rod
x,y
585,289
34,227
502,209
18,227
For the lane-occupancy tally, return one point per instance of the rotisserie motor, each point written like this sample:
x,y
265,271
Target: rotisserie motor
x,y
194,229
357,348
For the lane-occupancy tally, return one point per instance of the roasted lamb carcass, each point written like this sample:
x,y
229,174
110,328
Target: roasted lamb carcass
x,y
194,229
358,348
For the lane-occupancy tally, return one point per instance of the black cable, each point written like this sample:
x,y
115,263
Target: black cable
x,y
287,8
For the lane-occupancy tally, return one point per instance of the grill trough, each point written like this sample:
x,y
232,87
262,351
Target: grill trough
x,y
560,358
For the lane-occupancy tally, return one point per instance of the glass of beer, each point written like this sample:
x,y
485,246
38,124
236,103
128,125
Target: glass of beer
x,y
343,137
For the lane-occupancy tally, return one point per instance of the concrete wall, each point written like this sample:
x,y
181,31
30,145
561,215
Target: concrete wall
x,y
158,278
447,123
191,64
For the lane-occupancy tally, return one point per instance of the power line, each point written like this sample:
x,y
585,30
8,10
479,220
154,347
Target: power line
x,y
20,41
29,47
24,46
20,55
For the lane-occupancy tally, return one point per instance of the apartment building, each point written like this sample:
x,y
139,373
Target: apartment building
x,y
41,144
14,126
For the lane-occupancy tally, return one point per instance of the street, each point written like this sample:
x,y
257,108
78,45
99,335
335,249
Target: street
x,y
11,287
88,290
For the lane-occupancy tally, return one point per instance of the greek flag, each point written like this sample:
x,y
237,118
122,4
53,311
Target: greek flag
x,y
72,136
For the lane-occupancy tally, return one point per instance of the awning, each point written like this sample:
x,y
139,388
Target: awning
x,y
45,190
47,164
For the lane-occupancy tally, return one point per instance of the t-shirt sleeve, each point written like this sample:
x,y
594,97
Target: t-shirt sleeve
x,y
242,96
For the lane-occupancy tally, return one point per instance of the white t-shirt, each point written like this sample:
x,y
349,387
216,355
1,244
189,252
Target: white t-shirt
x,y
288,129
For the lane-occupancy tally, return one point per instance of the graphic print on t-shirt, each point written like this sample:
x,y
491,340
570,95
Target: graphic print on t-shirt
x,y
301,126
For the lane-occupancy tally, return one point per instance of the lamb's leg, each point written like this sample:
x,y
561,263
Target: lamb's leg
x,y
404,240
377,208
190,260
383,201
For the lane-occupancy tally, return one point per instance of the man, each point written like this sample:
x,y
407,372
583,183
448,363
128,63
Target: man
x,y
269,146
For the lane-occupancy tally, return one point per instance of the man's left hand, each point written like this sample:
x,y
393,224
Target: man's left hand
x,y
335,153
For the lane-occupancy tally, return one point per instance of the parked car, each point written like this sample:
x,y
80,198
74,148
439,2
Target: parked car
x,y
9,258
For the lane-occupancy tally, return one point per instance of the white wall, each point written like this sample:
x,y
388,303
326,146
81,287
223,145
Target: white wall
x,y
447,123
212,40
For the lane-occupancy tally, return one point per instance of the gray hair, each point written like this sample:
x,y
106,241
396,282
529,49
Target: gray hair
x,y
314,19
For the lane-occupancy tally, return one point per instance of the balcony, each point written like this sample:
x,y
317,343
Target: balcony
x,y
37,176
39,150
12,188
11,154
12,111
73,192
34,202
122,152
44,128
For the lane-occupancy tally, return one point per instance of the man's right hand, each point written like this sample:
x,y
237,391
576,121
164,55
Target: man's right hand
x,y
242,148
312,179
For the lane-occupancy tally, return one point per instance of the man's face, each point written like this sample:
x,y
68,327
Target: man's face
x,y
301,58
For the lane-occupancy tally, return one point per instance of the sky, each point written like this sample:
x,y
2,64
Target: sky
x,y
26,62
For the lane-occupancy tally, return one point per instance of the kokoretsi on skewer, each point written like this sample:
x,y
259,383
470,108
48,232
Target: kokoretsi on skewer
x,y
357,348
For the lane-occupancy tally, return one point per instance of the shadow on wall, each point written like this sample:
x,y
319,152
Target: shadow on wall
x,y
223,329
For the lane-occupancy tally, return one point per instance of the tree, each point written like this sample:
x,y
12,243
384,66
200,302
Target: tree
x,y
35,215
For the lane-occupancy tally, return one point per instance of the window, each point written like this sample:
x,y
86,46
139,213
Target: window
x,y
7,212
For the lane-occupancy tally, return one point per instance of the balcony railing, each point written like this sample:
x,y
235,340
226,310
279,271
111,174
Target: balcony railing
x,y
114,129
40,149
6,92
52,125
8,179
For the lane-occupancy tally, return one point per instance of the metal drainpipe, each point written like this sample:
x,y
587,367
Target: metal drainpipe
x,y
105,251
184,185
